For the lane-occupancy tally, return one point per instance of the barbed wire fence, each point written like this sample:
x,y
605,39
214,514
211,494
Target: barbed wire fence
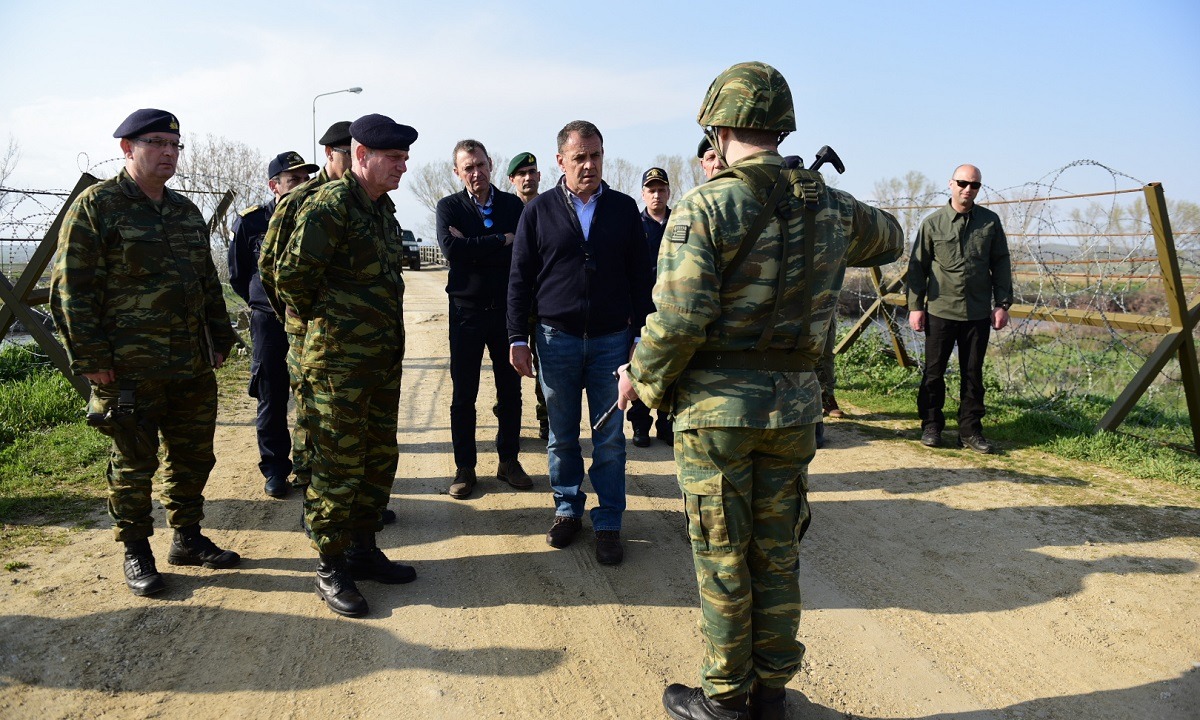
x,y
1072,247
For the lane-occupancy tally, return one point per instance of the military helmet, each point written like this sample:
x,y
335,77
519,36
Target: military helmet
x,y
749,95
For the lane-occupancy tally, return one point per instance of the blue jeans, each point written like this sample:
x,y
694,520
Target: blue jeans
x,y
570,366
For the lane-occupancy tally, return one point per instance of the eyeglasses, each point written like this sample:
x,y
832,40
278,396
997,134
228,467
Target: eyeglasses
x,y
160,143
487,219
973,184
344,151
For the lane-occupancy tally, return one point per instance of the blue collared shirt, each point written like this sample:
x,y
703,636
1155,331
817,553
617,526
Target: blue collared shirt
x,y
585,210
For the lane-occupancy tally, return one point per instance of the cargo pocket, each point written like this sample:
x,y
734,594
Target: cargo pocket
x,y
705,507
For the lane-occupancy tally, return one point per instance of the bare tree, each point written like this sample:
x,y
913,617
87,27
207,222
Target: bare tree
x,y
430,182
212,165
8,163
684,173
911,191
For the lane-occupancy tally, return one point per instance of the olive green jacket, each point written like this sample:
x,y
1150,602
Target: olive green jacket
x,y
959,268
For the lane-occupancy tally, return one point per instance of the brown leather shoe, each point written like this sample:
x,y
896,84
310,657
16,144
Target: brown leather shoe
x,y
563,531
829,407
511,472
464,483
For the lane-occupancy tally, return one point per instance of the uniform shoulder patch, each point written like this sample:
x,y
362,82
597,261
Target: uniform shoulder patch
x,y
248,210
679,233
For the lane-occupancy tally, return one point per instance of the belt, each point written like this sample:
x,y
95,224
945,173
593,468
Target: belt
x,y
778,360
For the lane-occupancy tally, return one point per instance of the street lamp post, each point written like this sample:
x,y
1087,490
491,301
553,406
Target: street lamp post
x,y
355,90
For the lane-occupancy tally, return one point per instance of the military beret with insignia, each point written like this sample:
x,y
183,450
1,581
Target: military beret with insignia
x,y
525,159
655,175
337,135
380,132
147,120
704,147
289,160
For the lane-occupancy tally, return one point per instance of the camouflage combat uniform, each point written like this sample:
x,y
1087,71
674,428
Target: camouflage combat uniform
x,y
341,274
279,230
134,290
745,399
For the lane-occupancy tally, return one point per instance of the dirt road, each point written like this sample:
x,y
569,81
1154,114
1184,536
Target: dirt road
x,y
936,586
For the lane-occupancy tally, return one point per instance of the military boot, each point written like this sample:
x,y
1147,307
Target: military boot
x,y
191,548
140,573
768,703
337,588
366,561
687,703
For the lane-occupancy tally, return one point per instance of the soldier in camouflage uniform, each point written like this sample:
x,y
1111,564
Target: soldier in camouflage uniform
x,y
336,142
269,381
747,281
341,275
136,298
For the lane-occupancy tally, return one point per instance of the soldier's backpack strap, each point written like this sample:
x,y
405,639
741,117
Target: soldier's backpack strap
x,y
760,222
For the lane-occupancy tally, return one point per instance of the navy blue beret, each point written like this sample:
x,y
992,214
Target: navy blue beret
x,y
147,120
337,135
704,147
380,132
289,160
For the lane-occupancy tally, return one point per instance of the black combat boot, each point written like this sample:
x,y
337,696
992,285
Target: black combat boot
x,y
140,573
687,703
367,562
337,588
768,703
191,548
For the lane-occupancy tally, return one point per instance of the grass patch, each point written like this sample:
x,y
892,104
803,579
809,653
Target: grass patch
x,y
870,378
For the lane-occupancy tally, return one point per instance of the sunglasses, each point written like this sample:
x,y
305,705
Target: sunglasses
x,y
973,184
487,216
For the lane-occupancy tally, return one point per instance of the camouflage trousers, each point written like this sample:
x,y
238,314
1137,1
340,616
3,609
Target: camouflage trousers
x,y
745,492
825,370
301,435
354,453
184,413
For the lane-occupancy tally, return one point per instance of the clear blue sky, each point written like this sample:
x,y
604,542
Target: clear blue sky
x,y
1018,88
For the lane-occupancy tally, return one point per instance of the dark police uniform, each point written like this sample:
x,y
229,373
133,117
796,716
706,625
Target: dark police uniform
x,y
268,367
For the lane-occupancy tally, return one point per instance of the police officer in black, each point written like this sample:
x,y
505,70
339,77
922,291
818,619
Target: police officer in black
x,y
656,193
268,368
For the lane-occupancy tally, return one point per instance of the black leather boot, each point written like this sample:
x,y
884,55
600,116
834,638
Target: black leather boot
x,y
189,547
687,703
367,562
140,573
337,588
768,703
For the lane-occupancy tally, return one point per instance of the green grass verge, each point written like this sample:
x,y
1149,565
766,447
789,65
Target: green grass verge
x,y
1146,447
52,465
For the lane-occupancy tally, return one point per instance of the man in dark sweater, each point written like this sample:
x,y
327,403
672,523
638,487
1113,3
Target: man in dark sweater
x,y
580,253
475,228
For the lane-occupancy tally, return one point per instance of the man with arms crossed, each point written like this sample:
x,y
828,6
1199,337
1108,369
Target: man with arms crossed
x,y
475,228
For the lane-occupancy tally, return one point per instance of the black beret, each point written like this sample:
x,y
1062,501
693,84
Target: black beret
x,y
337,135
523,160
380,132
705,146
147,120
289,160
655,175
